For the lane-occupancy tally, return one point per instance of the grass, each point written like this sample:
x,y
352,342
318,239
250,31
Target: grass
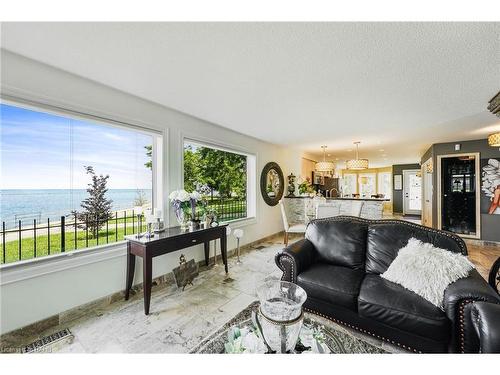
x,y
42,244
113,235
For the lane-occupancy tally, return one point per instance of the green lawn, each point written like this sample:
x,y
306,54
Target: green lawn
x,y
42,245
229,209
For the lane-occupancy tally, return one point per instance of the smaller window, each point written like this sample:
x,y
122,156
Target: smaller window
x,y
385,184
349,185
222,177
367,184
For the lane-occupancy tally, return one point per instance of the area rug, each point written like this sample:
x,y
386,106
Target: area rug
x,y
338,339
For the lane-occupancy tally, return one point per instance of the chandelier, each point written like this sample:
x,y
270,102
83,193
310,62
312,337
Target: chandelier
x,y
357,164
324,166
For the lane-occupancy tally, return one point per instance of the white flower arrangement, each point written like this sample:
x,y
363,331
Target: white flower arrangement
x,y
179,195
183,202
248,340
195,196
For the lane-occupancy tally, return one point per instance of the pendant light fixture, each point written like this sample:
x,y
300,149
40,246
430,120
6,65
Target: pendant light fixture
x,y
357,164
326,167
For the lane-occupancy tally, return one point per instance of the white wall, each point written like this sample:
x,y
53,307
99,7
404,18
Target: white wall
x,y
26,299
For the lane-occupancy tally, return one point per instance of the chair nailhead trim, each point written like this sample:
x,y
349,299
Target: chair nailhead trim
x,y
289,259
461,317
360,329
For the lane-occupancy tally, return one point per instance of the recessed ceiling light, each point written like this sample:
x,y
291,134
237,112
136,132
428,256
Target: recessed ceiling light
x,y
381,150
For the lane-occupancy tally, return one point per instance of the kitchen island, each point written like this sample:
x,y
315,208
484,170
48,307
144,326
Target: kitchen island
x,y
301,209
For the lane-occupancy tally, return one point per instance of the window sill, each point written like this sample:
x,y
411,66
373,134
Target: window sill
x,y
238,223
31,268
27,269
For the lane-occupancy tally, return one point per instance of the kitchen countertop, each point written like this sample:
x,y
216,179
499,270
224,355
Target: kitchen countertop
x,y
345,198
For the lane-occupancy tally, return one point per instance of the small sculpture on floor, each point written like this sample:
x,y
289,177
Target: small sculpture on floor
x,y
186,272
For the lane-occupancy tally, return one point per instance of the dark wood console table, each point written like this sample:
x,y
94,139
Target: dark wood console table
x,y
172,239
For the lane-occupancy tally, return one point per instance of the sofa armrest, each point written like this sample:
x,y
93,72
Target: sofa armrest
x,y
295,258
486,320
458,298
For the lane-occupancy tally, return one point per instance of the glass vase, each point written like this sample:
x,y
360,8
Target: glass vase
x,y
182,219
280,315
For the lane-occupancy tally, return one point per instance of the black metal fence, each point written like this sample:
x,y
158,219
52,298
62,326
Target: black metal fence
x,y
36,238
40,238
229,208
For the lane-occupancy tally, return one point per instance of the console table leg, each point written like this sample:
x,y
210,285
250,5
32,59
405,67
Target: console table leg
x,y
147,278
130,271
223,250
207,251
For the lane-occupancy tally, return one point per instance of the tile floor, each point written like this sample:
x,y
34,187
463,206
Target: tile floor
x,y
179,320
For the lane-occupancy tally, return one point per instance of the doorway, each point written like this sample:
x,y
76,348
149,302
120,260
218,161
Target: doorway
x,y
412,192
458,194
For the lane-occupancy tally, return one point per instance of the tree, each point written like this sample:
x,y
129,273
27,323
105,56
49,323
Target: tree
x,y
140,198
96,208
149,154
192,164
222,171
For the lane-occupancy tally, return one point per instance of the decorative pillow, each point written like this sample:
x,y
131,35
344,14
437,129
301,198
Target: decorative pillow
x,y
427,270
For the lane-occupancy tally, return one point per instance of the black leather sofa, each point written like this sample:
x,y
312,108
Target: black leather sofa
x,y
339,265
486,320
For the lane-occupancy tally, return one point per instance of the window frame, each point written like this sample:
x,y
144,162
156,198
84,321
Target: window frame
x,y
251,188
372,175
355,184
92,254
379,180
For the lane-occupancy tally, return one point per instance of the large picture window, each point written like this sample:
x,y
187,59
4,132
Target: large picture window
x,y
221,177
69,183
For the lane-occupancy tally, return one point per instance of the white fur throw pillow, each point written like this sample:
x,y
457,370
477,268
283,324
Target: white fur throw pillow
x,y
427,270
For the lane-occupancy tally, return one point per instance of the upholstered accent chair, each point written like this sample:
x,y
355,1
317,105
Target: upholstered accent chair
x,y
289,228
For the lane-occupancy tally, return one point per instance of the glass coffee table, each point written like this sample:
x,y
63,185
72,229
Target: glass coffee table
x,y
318,335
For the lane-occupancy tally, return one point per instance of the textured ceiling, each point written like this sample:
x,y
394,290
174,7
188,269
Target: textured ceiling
x,y
396,87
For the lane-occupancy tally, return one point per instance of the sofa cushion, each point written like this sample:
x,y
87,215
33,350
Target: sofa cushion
x,y
333,284
397,307
340,242
386,237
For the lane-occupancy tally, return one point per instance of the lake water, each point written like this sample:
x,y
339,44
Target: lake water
x,y
30,204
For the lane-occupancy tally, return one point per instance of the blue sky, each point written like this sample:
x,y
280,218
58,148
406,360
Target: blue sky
x,y
39,151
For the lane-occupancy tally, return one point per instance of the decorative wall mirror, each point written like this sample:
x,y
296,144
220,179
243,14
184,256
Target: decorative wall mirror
x,y
272,183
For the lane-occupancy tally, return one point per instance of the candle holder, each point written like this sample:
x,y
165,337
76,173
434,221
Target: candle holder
x,y
149,218
238,233
138,212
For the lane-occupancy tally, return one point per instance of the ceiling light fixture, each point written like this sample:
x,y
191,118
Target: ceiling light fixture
x,y
357,164
494,105
325,166
494,139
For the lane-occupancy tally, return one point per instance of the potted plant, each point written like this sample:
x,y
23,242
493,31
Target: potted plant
x,y
305,188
